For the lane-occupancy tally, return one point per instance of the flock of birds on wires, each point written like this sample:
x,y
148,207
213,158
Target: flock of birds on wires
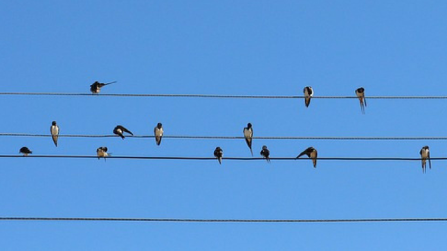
x,y
310,152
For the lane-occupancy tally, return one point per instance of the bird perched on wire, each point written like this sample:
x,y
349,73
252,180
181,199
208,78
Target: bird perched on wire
x,y
308,93
54,129
95,88
360,92
248,135
266,153
119,130
101,152
25,151
218,153
158,133
425,154
311,153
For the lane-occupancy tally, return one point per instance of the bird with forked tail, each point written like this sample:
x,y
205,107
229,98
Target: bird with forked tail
x,y
360,92
425,154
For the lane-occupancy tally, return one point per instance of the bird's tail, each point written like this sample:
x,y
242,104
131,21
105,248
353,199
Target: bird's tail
x,y
307,101
55,140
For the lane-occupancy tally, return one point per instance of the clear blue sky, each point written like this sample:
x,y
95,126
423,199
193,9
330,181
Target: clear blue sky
x,y
223,47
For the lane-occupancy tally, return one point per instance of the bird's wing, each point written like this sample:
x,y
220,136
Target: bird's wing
x,y
302,153
129,132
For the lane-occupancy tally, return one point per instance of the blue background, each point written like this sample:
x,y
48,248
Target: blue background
x,y
223,47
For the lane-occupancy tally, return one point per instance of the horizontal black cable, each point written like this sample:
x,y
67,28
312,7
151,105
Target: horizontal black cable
x,y
224,158
223,137
224,220
214,96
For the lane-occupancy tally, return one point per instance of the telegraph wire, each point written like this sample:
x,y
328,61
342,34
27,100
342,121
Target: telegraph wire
x,y
177,220
223,137
211,96
224,158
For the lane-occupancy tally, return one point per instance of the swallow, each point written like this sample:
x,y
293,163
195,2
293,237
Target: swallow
x,y
25,151
311,153
425,154
101,152
218,153
360,92
54,130
158,133
119,130
308,93
95,88
266,153
248,135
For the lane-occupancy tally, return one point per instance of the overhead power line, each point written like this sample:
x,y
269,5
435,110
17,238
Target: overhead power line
x,y
212,96
224,158
225,220
224,137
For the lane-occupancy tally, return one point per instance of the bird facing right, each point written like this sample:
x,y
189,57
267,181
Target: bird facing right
x,y
25,151
120,130
311,153
95,88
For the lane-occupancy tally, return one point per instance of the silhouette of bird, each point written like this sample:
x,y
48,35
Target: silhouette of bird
x,y
25,151
311,153
218,153
119,130
266,153
95,88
